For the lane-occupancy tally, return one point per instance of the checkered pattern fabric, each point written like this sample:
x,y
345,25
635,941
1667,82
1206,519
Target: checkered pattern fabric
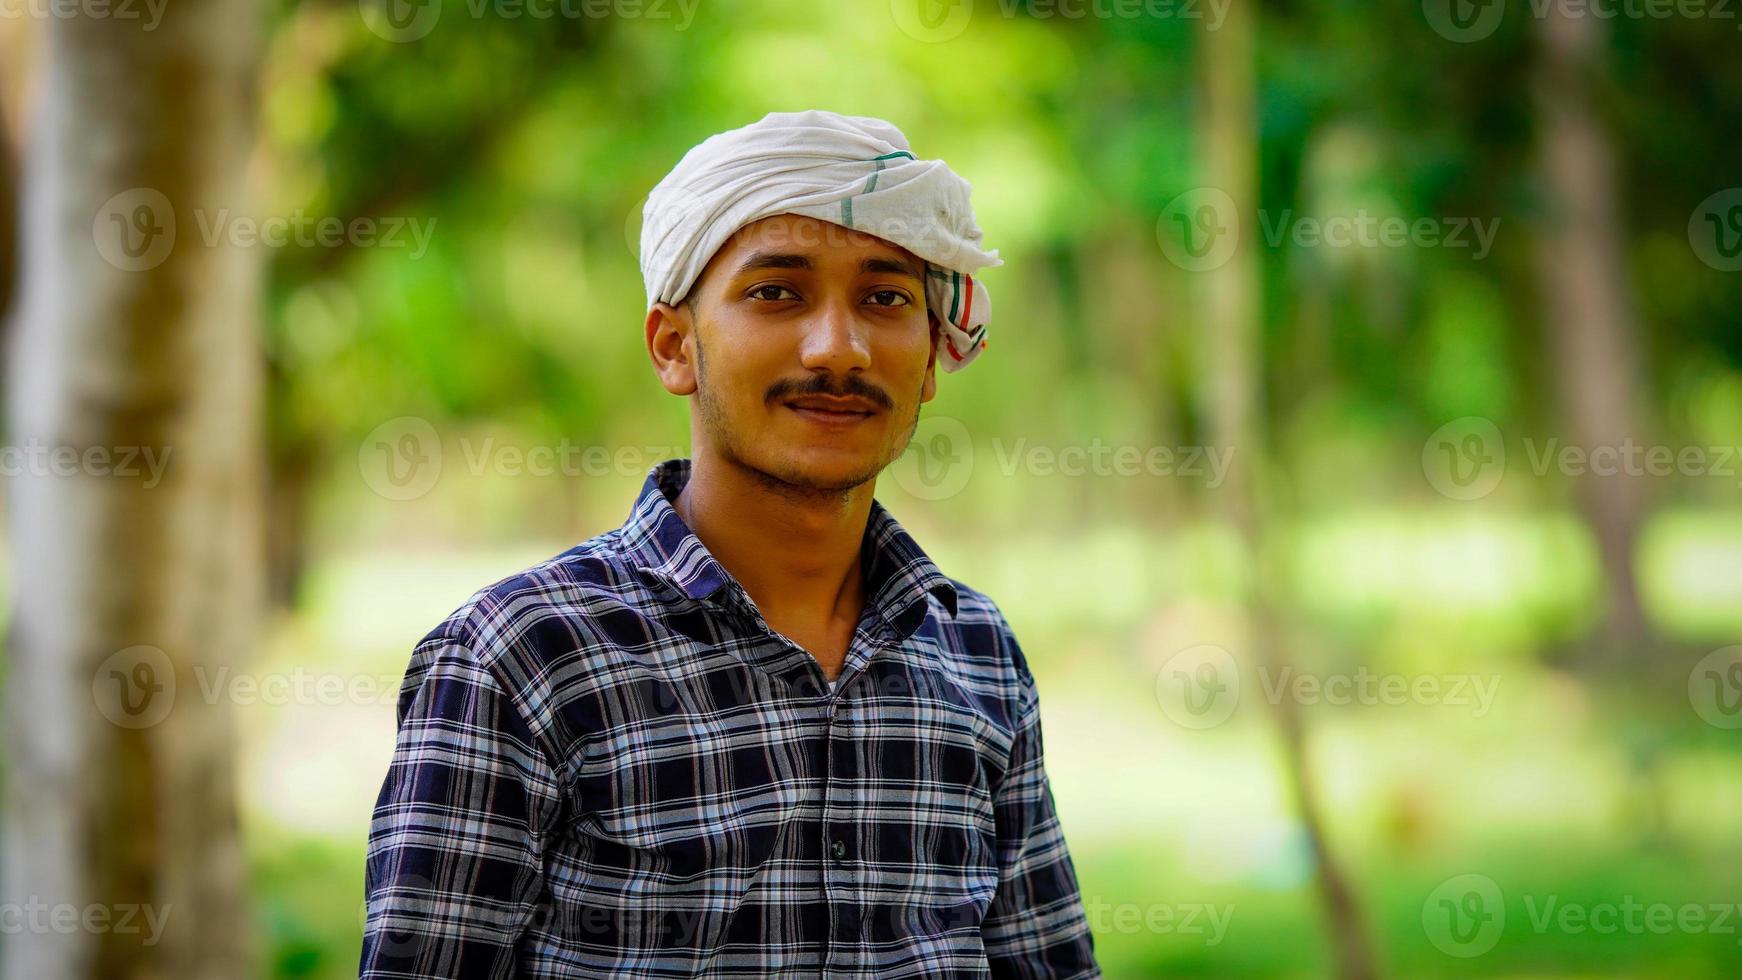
x,y
610,766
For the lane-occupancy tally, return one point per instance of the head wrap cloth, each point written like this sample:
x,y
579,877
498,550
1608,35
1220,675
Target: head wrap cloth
x,y
854,171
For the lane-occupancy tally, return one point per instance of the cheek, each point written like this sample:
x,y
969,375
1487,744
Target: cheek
x,y
904,353
740,364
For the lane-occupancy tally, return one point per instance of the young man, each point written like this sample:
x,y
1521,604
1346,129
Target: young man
x,y
753,732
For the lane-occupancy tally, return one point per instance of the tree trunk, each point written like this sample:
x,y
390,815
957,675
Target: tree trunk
x,y
1233,367
136,571
8,217
1587,309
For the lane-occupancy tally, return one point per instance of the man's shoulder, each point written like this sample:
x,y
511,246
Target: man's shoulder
x,y
980,640
976,608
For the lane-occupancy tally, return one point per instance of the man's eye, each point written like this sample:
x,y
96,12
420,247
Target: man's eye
x,y
890,297
771,292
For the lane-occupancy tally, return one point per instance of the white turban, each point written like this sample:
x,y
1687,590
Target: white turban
x,y
854,171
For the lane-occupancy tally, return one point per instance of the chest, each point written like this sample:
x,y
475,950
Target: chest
x,y
717,768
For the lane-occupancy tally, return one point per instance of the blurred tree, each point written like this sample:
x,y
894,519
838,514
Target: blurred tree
x,y
420,128
1234,362
1587,306
134,582
8,218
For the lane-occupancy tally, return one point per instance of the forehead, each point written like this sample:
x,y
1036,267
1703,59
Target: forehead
x,y
825,243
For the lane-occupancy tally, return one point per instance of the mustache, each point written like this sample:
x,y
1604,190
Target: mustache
x,y
818,384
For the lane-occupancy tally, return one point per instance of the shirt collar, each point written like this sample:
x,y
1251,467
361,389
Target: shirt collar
x,y
898,574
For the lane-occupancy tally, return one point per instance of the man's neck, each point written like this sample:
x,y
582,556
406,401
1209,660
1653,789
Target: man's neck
x,y
796,551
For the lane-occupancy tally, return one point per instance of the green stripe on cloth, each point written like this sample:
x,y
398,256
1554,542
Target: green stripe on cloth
x,y
871,182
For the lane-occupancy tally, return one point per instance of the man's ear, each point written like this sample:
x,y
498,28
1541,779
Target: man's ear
x,y
671,345
929,389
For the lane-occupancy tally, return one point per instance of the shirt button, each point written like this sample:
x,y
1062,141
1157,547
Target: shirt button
x,y
838,851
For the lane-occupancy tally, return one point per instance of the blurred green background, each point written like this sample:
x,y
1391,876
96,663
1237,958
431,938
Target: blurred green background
x,y
1168,184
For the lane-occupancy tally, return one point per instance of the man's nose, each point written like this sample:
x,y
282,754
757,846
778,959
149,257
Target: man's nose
x,y
835,339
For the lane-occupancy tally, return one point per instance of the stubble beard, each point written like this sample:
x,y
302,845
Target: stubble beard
x,y
788,481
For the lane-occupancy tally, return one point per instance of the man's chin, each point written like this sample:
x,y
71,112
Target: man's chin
x,y
828,471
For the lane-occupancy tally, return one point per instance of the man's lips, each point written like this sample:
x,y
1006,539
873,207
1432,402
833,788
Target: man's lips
x,y
832,411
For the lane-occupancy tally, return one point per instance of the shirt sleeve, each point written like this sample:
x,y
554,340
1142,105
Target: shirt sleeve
x,y
1036,928
455,862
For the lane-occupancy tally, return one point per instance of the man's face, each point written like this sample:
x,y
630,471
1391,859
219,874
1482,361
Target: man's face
x,y
813,351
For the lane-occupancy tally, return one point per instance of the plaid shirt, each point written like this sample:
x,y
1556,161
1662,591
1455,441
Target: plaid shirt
x,y
610,766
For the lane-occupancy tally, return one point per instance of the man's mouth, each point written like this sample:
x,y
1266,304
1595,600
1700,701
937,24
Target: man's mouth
x,y
830,411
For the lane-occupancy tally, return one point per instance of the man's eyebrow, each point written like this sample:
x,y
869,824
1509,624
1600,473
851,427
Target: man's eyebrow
x,y
774,260
792,260
900,267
